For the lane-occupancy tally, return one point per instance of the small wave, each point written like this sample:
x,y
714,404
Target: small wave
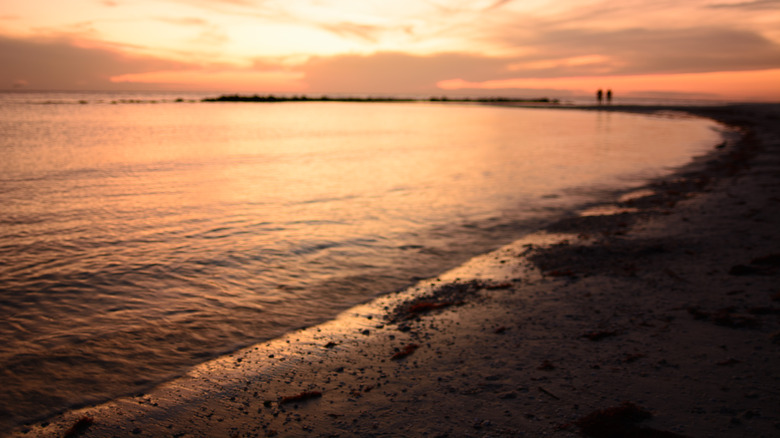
x,y
324,200
316,247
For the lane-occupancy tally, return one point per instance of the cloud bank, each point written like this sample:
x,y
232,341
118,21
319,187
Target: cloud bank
x,y
60,64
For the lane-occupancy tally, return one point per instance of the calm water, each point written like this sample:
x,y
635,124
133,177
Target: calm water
x,y
137,239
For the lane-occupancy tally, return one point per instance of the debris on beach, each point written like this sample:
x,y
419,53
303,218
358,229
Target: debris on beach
x,y
447,295
80,427
406,351
303,396
496,286
501,330
427,306
560,273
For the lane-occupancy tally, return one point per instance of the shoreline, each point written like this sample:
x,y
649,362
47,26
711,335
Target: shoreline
x,y
646,305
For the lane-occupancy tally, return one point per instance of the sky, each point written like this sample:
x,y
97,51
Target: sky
x,y
702,49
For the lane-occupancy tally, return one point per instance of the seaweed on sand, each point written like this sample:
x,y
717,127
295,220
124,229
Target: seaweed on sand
x,y
450,294
303,396
406,351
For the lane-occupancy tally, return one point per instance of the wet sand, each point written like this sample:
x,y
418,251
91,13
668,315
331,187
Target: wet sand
x,y
656,314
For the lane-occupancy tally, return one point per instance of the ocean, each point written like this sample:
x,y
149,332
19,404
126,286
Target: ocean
x,y
143,233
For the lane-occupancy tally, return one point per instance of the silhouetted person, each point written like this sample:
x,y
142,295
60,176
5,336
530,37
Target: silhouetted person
x,y
599,95
609,96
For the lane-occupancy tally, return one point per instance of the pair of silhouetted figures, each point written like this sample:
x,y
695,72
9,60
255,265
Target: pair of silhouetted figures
x,y
600,96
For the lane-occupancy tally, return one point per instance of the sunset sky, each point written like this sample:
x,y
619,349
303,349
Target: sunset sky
x,y
718,49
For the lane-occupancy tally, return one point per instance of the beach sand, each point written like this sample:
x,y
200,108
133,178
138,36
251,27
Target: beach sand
x,y
655,315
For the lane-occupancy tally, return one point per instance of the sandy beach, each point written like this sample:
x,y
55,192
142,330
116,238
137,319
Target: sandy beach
x,y
656,314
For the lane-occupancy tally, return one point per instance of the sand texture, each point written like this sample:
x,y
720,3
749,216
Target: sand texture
x,y
656,315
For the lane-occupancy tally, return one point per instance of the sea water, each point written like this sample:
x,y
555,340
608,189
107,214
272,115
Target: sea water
x,y
141,234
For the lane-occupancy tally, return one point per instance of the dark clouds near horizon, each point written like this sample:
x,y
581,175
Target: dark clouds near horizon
x,y
651,51
621,52
59,64
394,72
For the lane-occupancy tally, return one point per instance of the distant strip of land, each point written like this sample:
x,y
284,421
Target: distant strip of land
x,y
304,98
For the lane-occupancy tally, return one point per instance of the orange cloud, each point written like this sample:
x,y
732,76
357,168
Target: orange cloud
x,y
573,51
66,65
225,80
395,72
